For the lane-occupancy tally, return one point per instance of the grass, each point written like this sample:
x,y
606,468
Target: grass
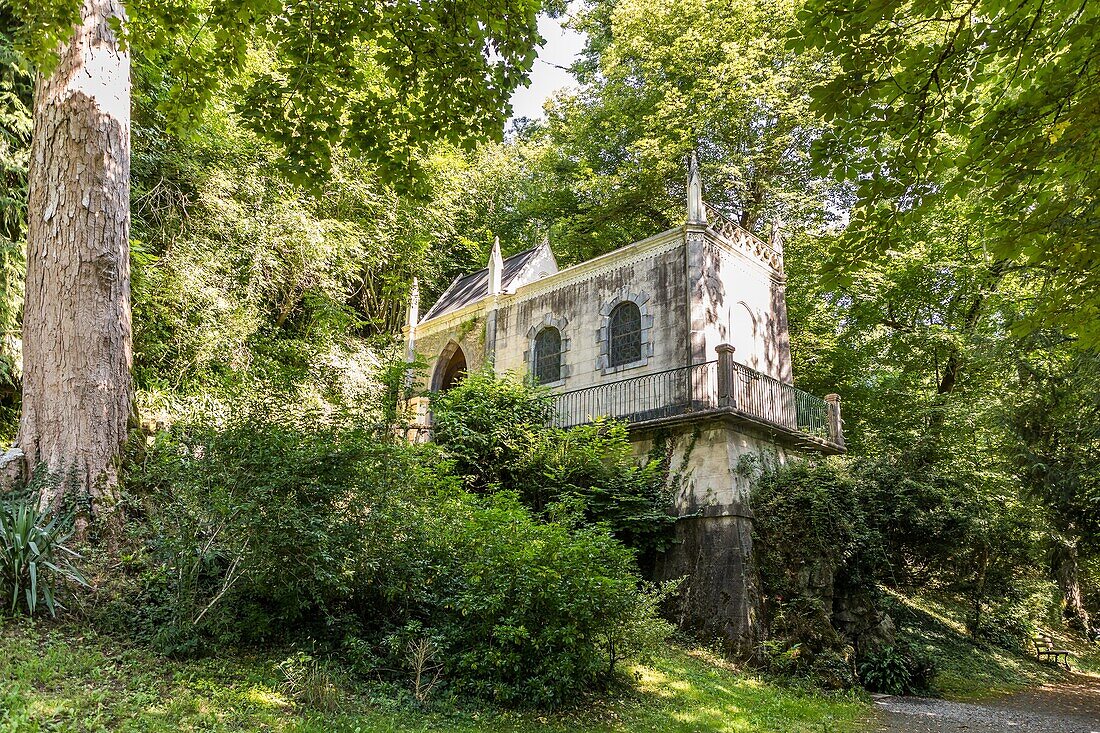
x,y
970,671
60,678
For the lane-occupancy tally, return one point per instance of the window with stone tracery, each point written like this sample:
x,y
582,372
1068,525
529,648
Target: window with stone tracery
x,y
624,334
547,356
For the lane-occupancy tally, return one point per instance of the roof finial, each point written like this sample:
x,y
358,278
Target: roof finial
x,y
413,319
414,303
697,213
496,266
776,237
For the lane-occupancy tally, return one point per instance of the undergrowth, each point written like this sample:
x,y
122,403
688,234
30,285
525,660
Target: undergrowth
x,y
62,677
969,669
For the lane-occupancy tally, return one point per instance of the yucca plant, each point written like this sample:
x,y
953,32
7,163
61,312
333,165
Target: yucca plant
x,y
33,554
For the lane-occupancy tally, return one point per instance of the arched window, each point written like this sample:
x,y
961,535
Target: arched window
x,y
624,334
547,356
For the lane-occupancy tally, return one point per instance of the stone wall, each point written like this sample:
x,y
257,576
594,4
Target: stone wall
x,y
713,545
737,299
654,280
577,300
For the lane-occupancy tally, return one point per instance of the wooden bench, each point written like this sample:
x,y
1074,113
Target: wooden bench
x,y
1044,648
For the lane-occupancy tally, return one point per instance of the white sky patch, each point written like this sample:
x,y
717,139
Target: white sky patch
x,y
548,76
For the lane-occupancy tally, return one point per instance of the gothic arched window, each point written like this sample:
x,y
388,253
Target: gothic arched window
x,y
547,355
624,334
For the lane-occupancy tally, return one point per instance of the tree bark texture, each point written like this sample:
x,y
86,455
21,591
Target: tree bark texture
x,y
1067,572
77,349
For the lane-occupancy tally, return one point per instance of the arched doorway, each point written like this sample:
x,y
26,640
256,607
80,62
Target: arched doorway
x,y
450,369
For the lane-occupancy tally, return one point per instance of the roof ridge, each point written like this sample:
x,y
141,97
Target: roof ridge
x,y
471,279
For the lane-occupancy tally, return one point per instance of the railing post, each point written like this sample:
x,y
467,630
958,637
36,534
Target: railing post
x,y
727,376
836,425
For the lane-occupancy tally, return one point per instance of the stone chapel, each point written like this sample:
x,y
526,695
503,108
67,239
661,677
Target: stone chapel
x,y
684,336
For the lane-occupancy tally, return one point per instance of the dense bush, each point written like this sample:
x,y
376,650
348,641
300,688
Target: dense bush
x,y
814,544
830,533
257,524
490,427
521,610
896,670
497,431
278,526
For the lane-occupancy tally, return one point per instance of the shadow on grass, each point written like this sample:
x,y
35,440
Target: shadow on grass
x,y
966,669
61,678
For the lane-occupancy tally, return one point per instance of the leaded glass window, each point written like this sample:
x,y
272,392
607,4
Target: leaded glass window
x,y
548,355
624,335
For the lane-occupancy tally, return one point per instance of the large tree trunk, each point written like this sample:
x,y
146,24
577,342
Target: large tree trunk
x,y
77,349
1067,574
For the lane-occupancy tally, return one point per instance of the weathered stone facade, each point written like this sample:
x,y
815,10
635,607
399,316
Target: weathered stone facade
x,y
698,287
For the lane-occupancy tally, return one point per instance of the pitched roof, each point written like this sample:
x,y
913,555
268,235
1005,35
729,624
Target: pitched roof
x,y
475,286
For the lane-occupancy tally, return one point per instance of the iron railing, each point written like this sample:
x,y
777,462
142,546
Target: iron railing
x,y
646,397
767,398
695,389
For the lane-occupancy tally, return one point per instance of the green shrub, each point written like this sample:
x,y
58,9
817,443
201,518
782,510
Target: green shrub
x,y
34,558
1009,623
830,668
520,609
262,524
490,426
534,605
594,468
896,670
814,544
497,432
277,526
833,670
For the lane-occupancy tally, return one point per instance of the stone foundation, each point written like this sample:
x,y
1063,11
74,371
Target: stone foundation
x,y
719,599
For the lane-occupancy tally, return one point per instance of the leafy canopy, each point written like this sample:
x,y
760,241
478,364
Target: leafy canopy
x,y
388,79
991,102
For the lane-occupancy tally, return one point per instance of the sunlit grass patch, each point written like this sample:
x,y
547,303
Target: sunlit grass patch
x,y
973,671
58,680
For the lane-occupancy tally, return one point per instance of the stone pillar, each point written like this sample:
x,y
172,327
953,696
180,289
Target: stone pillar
x,y
720,598
727,376
836,425
496,272
496,268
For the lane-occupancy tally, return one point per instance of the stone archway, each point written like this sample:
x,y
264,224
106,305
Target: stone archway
x,y
450,369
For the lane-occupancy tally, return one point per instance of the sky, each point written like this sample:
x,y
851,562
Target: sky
x,y
561,49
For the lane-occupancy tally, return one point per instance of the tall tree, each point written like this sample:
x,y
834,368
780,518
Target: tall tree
x,y
660,79
385,79
77,347
1055,418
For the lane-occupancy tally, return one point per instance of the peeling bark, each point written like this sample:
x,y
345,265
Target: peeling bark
x,y
77,349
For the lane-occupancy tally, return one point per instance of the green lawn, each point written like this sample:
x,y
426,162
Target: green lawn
x,y
53,678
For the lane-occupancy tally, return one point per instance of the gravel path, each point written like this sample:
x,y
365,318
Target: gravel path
x,y
1069,707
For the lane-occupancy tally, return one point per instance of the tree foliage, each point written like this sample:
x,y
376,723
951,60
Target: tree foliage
x,y
497,431
388,80
989,103
657,81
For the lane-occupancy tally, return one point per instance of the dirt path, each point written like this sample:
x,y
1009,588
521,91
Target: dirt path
x,y
1069,707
